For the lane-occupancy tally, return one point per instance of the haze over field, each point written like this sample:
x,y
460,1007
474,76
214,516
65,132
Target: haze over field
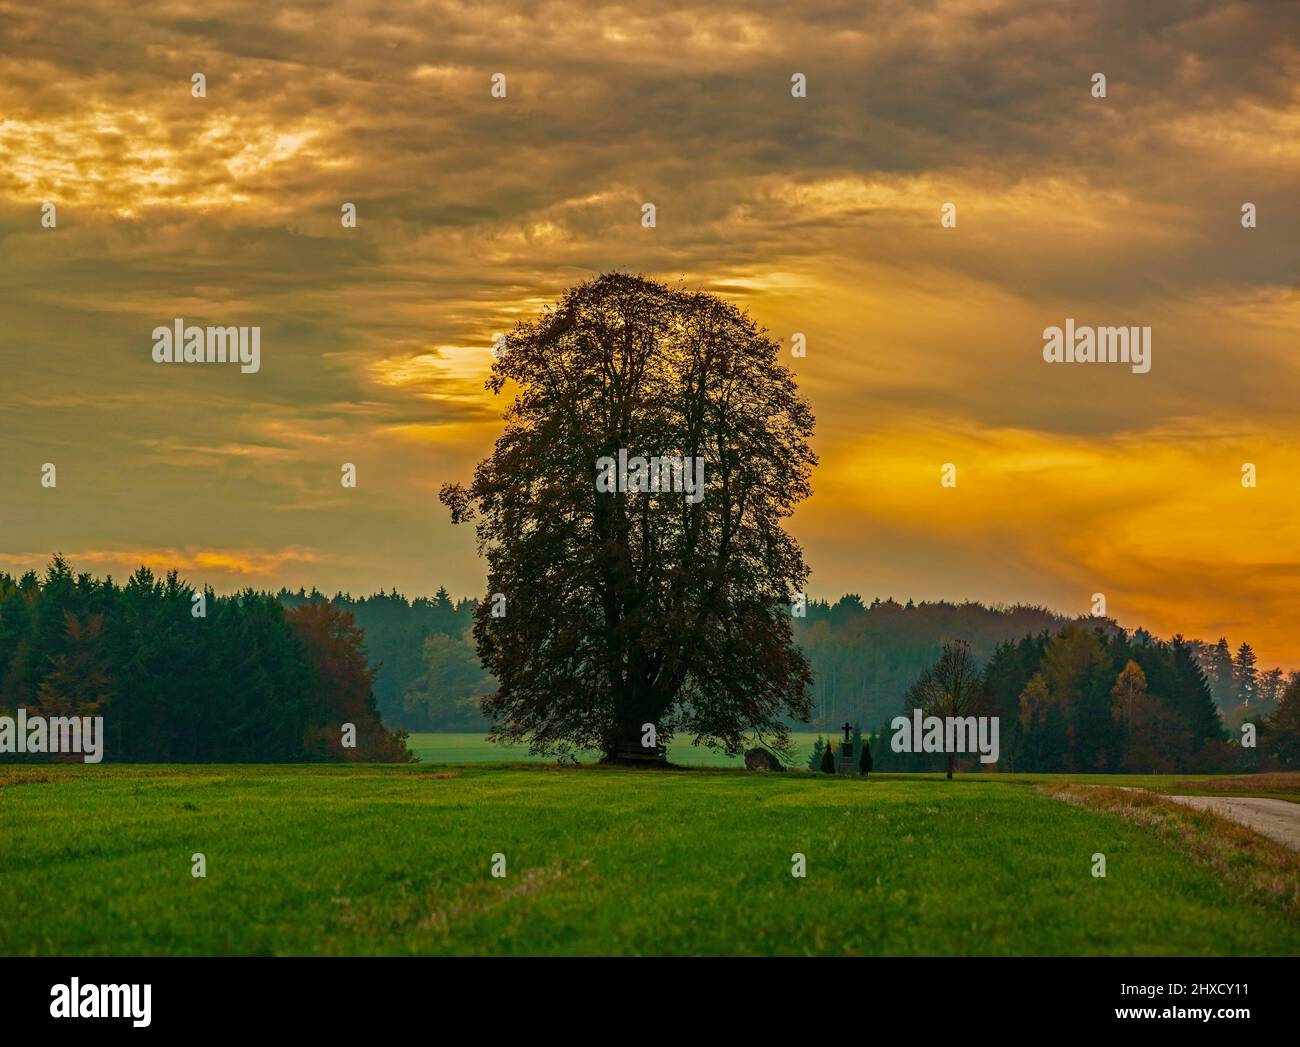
x,y
820,215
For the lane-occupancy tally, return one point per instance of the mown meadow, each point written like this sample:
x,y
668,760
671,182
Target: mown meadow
x,y
381,859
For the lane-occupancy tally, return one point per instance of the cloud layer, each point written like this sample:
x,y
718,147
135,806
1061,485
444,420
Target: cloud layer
x,y
820,215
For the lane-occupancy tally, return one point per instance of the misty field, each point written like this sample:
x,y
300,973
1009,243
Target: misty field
x,y
380,859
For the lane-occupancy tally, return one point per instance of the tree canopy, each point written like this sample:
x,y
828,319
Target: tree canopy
x,y
611,609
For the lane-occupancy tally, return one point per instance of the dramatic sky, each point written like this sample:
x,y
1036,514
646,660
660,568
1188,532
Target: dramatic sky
x,y
819,215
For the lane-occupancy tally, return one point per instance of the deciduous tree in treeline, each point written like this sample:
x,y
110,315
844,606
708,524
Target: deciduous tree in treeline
x,y
1271,685
343,688
78,681
1152,737
398,631
448,694
950,687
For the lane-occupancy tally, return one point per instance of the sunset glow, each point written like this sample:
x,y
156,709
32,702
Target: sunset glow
x,y
819,215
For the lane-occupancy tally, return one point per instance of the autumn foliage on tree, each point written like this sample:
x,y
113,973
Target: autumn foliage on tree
x,y
628,608
78,681
342,690
1152,735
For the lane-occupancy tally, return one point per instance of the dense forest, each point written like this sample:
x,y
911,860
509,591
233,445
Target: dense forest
x,y
1072,694
272,677
183,676
1096,700
863,657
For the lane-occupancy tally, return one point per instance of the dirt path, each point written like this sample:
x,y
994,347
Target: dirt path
x,y
1277,819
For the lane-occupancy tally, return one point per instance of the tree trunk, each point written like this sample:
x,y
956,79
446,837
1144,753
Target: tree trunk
x,y
625,748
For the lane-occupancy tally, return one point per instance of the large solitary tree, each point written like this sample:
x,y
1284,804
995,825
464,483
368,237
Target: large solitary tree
x,y
608,610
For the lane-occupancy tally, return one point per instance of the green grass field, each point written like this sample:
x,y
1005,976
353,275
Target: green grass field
x,y
370,859
444,747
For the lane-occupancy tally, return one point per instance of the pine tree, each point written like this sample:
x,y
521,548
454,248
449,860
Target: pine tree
x,y
864,763
828,759
1190,696
1220,674
815,760
1244,674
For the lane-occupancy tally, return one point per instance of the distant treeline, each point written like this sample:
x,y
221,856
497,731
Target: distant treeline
x,y
1090,700
272,677
864,657
183,676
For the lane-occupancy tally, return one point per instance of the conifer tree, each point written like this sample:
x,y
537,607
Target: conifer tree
x,y
1245,675
1220,673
